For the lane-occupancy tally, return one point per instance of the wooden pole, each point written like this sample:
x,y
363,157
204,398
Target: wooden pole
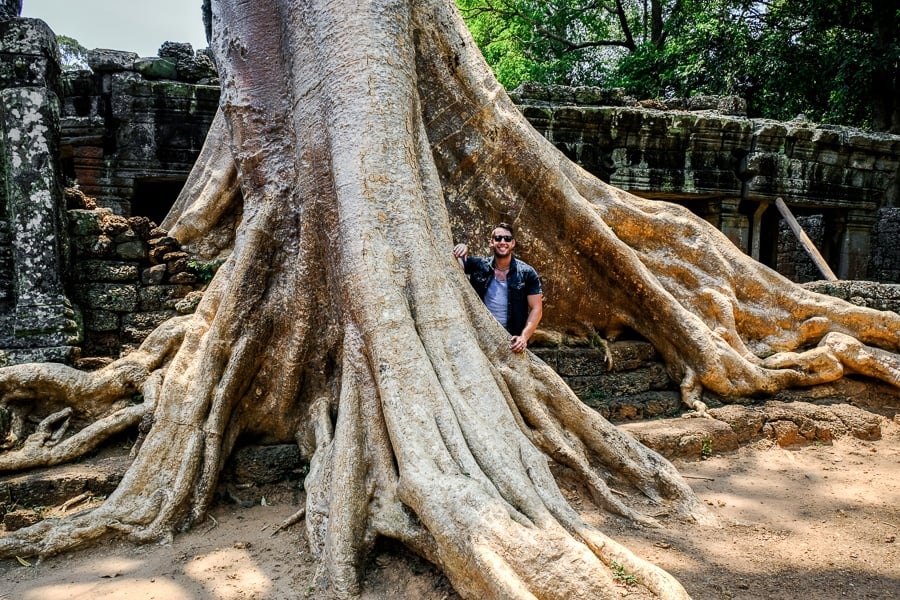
x,y
805,241
757,226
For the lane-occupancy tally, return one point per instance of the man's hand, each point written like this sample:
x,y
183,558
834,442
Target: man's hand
x,y
461,251
518,344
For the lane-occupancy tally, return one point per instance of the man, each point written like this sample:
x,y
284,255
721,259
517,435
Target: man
x,y
510,288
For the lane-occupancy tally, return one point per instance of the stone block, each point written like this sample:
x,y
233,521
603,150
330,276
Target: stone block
x,y
99,246
106,271
189,303
154,275
632,354
611,385
117,297
28,58
183,278
101,320
113,225
102,343
685,438
264,464
57,354
581,361
156,68
137,326
162,297
101,60
133,250
9,9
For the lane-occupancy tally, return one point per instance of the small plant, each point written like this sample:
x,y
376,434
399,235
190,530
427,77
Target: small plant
x,y
706,448
594,394
621,575
204,270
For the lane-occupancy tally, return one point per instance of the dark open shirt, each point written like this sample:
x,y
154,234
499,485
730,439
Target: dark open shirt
x,y
522,281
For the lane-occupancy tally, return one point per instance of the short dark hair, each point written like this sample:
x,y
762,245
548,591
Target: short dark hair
x,y
505,226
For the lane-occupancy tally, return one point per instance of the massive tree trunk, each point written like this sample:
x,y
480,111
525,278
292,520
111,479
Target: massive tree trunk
x,y
348,134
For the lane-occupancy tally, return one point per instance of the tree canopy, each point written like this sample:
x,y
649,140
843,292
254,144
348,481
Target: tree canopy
x,y
72,55
834,61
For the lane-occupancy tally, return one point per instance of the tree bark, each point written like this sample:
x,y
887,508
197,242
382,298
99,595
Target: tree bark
x,y
365,137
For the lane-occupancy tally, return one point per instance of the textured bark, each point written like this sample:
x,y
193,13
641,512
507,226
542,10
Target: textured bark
x,y
361,135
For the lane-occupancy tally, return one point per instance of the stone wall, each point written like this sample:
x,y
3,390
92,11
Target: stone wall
x,y
793,261
885,264
36,317
129,278
880,296
132,127
706,154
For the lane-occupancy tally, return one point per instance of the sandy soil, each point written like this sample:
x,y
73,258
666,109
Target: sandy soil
x,y
815,522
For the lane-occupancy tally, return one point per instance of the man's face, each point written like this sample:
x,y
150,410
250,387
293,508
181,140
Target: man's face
x,y
502,242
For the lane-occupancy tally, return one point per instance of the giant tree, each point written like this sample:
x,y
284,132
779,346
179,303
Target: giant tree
x,y
353,139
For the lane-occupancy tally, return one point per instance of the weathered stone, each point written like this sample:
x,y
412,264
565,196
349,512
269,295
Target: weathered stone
x,y
102,60
134,250
645,405
162,297
625,383
126,236
188,304
684,438
137,326
746,422
85,222
582,362
17,519
183,278
785,433
154,275
179,265
885,260
113,225
793,261
156,68
196,68
61,354
101,320
10,9
176,51
874,295
164,241
109,296
99,246
259,465
55,485
106,271
29,55
156,255
141,226
42,315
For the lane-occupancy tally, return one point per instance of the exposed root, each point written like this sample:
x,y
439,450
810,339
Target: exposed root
x,y
291,520
46,447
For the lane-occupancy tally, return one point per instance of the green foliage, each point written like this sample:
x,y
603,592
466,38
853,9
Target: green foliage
x,y
553,41
72,55
621,575
204,270
706,447
836,61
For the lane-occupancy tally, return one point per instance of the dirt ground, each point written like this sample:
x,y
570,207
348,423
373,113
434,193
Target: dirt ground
x,y
814,522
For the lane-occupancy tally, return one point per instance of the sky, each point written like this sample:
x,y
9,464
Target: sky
x,y
135,25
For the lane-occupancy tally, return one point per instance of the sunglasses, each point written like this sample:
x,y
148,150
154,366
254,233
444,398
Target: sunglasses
x,y
503,238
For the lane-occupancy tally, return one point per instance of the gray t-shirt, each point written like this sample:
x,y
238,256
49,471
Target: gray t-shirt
x,y
495,298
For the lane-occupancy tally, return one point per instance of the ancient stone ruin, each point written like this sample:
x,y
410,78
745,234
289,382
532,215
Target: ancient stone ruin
x,y
89,274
